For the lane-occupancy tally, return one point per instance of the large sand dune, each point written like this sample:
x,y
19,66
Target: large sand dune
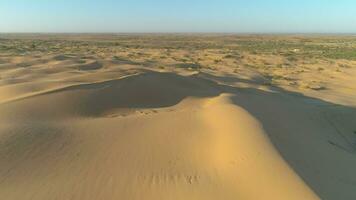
x,y
146,136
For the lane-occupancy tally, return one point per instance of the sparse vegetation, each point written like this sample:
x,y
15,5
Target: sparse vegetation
x,y
264,54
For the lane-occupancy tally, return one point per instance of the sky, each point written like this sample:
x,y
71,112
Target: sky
x,y
225,16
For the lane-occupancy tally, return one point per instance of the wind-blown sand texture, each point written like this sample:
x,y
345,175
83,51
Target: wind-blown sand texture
x,y
176,117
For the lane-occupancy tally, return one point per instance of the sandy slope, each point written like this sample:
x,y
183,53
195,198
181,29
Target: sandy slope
x,y
146,136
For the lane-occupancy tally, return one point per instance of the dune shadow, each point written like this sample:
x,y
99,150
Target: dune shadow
x,y
141,91
62,57
317,138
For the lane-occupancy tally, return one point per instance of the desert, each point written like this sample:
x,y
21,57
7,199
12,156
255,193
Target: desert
x,y
177,116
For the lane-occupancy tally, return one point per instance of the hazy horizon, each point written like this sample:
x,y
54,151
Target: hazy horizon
x,y
197,16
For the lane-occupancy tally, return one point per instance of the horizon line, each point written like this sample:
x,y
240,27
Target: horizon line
x,y
187,32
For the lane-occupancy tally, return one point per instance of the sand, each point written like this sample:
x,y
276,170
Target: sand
x,y
116,130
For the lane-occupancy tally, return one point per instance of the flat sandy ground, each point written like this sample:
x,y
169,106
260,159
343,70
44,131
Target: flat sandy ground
x,y
199,117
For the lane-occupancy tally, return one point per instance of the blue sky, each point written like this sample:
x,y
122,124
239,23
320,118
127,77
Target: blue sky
x,y
244,16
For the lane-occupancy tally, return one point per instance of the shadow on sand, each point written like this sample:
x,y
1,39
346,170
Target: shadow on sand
x,y
317,138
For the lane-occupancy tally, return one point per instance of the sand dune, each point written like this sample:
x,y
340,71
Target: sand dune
x,y
151,136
